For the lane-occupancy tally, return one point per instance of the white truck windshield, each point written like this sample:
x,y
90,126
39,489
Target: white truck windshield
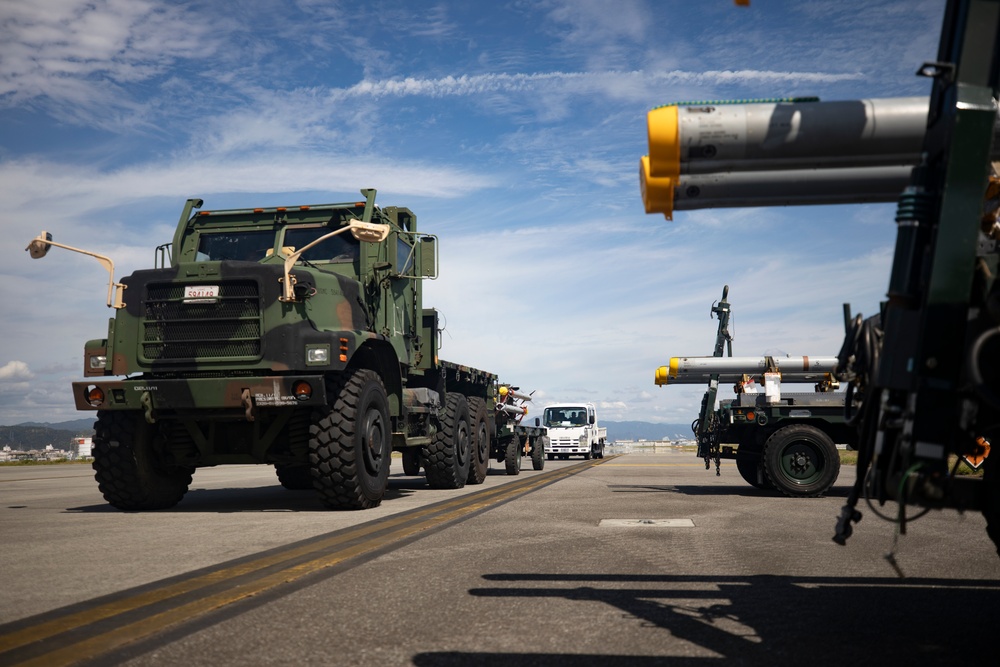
x,y
575,416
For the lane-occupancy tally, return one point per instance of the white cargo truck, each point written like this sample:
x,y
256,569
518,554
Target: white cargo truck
x,y
573,431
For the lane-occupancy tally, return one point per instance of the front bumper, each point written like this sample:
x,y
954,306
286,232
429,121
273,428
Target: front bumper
x,y
185,395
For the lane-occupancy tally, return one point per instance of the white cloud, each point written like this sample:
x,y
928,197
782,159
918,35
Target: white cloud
x,y
15,371
57,190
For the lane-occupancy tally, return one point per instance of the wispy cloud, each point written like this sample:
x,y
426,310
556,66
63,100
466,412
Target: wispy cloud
x,y
85,53
577,83
73,190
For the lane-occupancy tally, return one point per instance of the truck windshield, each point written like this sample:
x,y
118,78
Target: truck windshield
x,y
236,246
254,245
565,416
339,248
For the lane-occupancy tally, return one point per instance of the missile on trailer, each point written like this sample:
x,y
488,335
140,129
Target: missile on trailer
x,y
849,185
798,151
664,378
750,365
506,391
513,409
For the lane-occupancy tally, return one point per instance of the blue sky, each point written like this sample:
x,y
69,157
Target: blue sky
x,y
512,129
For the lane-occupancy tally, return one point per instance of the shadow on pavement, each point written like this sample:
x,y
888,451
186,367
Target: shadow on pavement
x,y
771,620
254,499
743,490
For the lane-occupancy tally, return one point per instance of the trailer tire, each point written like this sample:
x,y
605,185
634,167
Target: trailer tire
x,y
411,461
294,477
801,461
446,459
751,469
538,453
126,469
480,444
512,461
350,444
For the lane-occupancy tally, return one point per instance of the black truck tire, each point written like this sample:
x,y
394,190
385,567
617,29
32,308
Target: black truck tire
x,y
294,477
411,461
751,468
447,458
801,461
125,467
512,461
538,453
480,444
350,444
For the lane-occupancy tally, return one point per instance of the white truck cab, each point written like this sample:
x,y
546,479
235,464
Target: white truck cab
x,y
573,431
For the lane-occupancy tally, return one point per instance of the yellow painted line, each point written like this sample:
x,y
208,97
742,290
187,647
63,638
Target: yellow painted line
x,y
402,526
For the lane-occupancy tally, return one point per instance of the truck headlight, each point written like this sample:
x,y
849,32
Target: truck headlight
x,y
318,355
98,362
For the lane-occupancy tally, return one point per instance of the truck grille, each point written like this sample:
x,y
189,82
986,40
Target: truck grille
x,y
227,329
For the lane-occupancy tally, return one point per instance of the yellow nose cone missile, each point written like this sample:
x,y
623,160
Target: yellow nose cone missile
x,y
657,192
664,143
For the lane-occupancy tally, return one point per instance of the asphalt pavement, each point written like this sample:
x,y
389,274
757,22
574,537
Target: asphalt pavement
x,y
641,559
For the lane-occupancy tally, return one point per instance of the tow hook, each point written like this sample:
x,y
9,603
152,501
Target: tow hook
x,y
248,407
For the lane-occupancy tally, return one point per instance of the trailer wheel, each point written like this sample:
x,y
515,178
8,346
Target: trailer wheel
x,y
801,461
446,458
751,468
538,453
512,462
480,441
411,461
294,477
350,444
126,469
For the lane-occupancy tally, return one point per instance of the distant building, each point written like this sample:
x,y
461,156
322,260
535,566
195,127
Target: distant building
x,y
83,447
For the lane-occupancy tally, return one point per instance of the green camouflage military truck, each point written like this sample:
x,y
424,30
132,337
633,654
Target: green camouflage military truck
x,y
291,336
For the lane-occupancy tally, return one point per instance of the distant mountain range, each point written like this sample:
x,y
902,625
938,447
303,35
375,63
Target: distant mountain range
x,y
632,430
36,435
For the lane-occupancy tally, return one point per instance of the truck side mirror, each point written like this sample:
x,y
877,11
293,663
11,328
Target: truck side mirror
x,y
592,419
39,247
428,257
538,422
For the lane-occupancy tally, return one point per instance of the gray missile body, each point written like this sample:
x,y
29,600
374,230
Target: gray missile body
x,y
717,154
